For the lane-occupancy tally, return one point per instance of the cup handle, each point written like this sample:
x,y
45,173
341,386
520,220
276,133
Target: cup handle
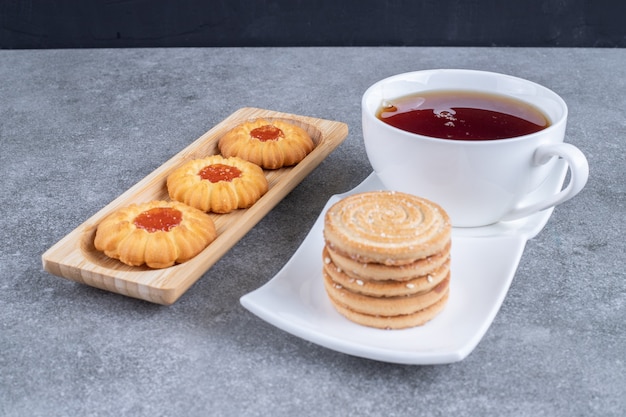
x,y
579,173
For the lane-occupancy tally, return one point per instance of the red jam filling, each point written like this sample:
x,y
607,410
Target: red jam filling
x,y
219,172
267,132
158,218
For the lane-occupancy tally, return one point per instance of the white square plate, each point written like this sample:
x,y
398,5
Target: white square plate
x,y
484,261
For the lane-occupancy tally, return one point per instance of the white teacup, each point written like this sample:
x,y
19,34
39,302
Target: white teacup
x,y
477,182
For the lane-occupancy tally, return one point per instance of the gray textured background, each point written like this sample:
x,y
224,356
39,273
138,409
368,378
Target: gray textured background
x,y
79,127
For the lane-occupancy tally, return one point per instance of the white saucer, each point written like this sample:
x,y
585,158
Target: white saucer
x,y
484,261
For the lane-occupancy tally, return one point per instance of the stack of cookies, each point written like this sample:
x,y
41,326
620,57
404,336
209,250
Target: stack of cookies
x,y
387,259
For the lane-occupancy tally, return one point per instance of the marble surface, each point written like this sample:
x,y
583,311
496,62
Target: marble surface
x,y
79,127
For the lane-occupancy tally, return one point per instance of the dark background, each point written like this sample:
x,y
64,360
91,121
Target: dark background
x,y
161,23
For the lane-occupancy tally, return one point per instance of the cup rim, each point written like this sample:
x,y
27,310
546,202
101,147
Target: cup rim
x,y
481,142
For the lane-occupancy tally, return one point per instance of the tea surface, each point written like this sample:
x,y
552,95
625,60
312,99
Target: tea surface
x,y
462,115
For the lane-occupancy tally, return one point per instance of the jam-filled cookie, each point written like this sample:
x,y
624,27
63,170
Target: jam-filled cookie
x,y
217,184
269,144
158,234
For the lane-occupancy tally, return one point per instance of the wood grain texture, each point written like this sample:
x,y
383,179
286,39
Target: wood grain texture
x,y
74,257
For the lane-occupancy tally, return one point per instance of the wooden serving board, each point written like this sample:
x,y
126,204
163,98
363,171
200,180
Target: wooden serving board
x,y
75,258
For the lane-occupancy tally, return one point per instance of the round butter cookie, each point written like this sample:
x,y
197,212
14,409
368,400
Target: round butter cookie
x,y
158,234
388,288
217,184
419,318
269,144
384,306
374,271
386,227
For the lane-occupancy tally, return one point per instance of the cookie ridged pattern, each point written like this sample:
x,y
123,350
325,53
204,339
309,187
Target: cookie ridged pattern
x,y
186,185
120,238
289,147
